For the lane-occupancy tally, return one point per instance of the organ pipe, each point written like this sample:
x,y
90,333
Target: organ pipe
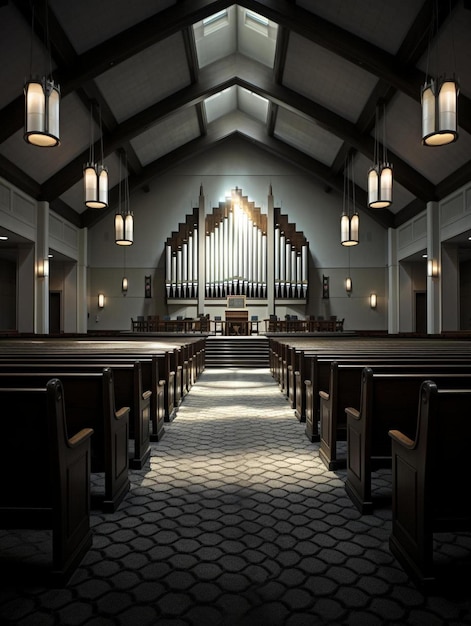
x,y
235,254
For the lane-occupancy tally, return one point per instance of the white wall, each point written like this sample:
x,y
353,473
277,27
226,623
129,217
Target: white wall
x,y
237,163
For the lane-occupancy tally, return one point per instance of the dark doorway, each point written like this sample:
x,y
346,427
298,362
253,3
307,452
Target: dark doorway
x,y
54,312
421,312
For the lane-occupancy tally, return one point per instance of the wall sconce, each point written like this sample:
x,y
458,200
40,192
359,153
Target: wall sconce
x,y
373,300
43,268
348,285
101,300
124,285
432,268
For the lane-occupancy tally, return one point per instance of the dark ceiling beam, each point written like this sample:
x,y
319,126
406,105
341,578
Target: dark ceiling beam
x,y
254,77
409,212
72,74
340,127
182,15
399,74
254,132
17,177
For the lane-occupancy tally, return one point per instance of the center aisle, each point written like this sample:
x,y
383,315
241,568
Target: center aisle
x,y
236,522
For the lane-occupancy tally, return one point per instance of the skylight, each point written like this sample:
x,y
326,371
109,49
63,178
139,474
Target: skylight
x,y
214,22
256,22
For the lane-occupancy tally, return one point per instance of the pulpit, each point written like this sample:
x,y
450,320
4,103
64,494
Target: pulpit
x,y
237,322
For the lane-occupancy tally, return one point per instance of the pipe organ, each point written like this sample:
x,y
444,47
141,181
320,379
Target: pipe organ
x,y
236,249
235,254
181,260
291,259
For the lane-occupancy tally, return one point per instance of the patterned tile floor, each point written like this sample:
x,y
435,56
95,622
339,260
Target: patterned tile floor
x,y
236,522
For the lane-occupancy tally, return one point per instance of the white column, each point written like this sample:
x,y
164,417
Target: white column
x,y
450,280
393,283
434,304
42,283
82,308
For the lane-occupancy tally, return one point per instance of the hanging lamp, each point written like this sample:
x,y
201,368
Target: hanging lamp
x,y
42,99
124,219
124,281
95,175
350,220
439,98
380,175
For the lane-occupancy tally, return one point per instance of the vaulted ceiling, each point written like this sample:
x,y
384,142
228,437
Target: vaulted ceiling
x,y
172,78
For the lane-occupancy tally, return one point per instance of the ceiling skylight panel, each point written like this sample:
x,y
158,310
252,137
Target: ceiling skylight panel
x,y
257,22
214,22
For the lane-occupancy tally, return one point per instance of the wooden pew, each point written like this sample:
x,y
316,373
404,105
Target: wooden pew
x,y
90,403
50,486
387,402
319,375
129,391
344,390
430,479
153,369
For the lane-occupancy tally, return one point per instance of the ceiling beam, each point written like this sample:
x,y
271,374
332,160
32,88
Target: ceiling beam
x,y
255,133
254,77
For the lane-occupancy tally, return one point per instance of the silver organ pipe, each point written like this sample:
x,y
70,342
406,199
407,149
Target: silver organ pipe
x,y
250,231
174,273
230,253
195,262
287,252
260,263
264,266
235,254
304,268
293,266
208,266
168,269
282,266
185,269
277,260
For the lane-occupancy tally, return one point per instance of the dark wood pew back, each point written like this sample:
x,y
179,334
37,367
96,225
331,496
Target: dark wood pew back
x,y
51,468
344,390
90,403
320,375
129,391
387,402
430,479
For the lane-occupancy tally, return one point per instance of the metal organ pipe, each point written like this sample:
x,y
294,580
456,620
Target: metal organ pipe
x,y
235,256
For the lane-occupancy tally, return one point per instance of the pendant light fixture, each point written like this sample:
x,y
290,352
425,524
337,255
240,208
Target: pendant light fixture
x,y
124,281
348,279
350,220
380,175
42,98
439,98
95,175
123,220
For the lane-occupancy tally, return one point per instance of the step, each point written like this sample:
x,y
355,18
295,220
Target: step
x,y
237,352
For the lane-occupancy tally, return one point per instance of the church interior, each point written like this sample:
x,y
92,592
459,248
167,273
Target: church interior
x,y
202,202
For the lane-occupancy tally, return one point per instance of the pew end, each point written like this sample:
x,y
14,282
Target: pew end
x,y
51,486
429,478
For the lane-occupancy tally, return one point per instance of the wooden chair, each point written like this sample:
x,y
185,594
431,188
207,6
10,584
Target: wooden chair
x,y
430,479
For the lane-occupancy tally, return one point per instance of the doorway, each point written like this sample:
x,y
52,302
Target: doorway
x,y
55,312
421,312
